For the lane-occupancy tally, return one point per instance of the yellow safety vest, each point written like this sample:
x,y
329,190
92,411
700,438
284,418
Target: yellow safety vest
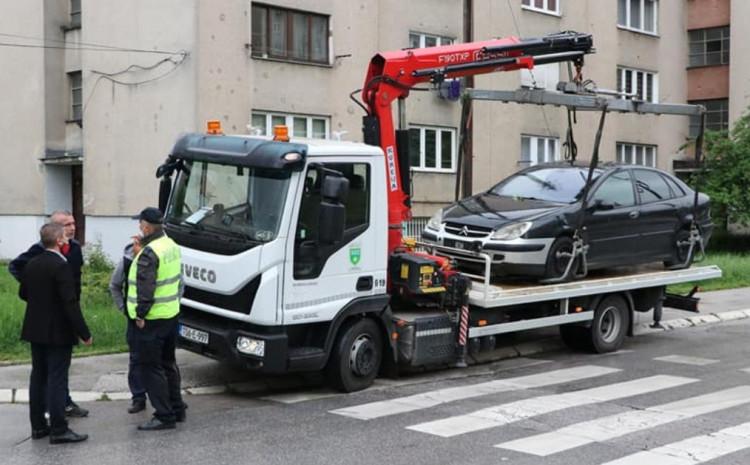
x,y
168,276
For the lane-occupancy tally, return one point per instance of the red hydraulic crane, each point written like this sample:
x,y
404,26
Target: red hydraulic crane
x,y
391,75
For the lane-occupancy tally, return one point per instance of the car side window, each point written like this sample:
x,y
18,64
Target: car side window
x,y
651,186
676,189
616,190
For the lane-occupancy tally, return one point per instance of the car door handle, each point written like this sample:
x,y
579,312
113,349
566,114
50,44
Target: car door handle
x,y
634,214
364,283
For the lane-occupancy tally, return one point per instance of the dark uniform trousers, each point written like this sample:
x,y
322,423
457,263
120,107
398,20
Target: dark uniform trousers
x,y
156,344
48,387
135,384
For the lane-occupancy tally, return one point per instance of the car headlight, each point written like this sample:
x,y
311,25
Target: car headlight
x,y
435,221
512,231
248,345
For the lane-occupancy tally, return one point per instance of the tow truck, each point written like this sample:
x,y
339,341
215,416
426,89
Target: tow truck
x,y
293,255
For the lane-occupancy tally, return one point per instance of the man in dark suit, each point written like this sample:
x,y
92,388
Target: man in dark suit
x,y
73,254
53,323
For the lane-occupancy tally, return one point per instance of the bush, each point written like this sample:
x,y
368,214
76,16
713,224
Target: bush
x,y
95,279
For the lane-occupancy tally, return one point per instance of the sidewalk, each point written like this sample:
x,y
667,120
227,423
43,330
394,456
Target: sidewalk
x,y
104,377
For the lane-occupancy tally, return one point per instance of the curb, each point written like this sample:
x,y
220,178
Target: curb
x,y
21,396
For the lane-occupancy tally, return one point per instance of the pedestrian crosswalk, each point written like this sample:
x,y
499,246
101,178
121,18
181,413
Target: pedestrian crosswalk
x,y
609,386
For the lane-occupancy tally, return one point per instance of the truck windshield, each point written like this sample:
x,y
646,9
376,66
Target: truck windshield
x,y
233,201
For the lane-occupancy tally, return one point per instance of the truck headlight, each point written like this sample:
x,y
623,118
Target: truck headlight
x,y
435,221
248,345
511,231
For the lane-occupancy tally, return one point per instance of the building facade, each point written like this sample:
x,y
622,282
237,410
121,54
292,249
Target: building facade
x,y
100,90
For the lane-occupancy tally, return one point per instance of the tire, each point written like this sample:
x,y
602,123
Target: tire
x,y
556,264
576,337
610,324
356,356
680,253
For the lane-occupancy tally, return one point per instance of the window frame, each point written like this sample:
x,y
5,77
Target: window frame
x,y
265,51
544,9
723,112
704,54
533,146
627,172
75,104
620,153
621,72
424,35
528,76
289,122
438,148
628,18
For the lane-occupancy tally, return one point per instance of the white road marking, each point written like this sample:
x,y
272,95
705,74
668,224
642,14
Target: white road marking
x,y
432,398
615,426
504,414
685,360
697,449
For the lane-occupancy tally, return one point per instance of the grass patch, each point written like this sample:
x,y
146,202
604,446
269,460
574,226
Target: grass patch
x,y
106,323
735,269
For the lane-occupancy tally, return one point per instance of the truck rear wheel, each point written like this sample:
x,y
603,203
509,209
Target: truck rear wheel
x,y
610,324
356,356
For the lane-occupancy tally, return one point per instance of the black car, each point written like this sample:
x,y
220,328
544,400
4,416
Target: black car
x,y
634,215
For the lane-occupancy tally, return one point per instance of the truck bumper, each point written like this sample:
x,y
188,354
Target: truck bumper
x,y
222,342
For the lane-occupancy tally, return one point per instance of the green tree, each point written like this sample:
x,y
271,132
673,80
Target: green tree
x,y
726,175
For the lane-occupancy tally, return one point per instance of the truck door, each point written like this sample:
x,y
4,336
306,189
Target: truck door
x,y
322,279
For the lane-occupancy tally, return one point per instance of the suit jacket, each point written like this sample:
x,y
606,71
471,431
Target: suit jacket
x,y
74,257
53,314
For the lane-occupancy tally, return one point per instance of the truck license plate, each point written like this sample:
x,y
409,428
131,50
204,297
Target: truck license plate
x,y
193,334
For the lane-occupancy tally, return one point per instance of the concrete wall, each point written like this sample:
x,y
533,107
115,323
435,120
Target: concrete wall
x,y
497,141
739,61
708,13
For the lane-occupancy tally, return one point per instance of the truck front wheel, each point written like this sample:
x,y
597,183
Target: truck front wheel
x,y
356,356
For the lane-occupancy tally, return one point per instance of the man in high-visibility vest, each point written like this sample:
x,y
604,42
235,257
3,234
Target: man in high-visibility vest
x,y
153,301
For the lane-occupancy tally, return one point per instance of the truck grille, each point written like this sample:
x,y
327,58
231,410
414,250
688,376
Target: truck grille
x,y
240,302
467,231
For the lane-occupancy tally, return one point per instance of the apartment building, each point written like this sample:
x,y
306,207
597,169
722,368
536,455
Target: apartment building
x,y
99,91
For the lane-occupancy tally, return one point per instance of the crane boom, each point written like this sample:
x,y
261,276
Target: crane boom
x,y
391,75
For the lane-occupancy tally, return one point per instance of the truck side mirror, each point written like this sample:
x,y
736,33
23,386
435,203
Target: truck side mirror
x,y
165,188
332,218
600,204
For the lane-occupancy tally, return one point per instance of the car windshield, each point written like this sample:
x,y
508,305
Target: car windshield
x,y
236,201
554,184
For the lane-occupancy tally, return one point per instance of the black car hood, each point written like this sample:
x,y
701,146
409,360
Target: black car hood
x,y
492,211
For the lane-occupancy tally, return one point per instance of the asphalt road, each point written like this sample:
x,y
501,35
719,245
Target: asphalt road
x,y
560,408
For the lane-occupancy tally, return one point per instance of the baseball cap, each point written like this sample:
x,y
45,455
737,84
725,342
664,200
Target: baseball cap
x,y
150,215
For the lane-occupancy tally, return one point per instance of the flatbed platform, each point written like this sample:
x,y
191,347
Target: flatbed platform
x,y
501,295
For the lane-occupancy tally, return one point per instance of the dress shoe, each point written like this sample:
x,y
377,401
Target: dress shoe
x,y
74,411
67,436
39,433
137,406
179,415
154,424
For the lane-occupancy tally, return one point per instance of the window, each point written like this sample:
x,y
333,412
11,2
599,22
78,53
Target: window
x,y
644,84
717,116
538,149
651,186
638,15
543,6
75,14
616,190
554,184
432,149
542,76
709,46
289,34
309,255
310,127
76,96
636,154
419,40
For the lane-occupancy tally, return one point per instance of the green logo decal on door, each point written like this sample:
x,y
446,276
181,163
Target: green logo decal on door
x,y
355,254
